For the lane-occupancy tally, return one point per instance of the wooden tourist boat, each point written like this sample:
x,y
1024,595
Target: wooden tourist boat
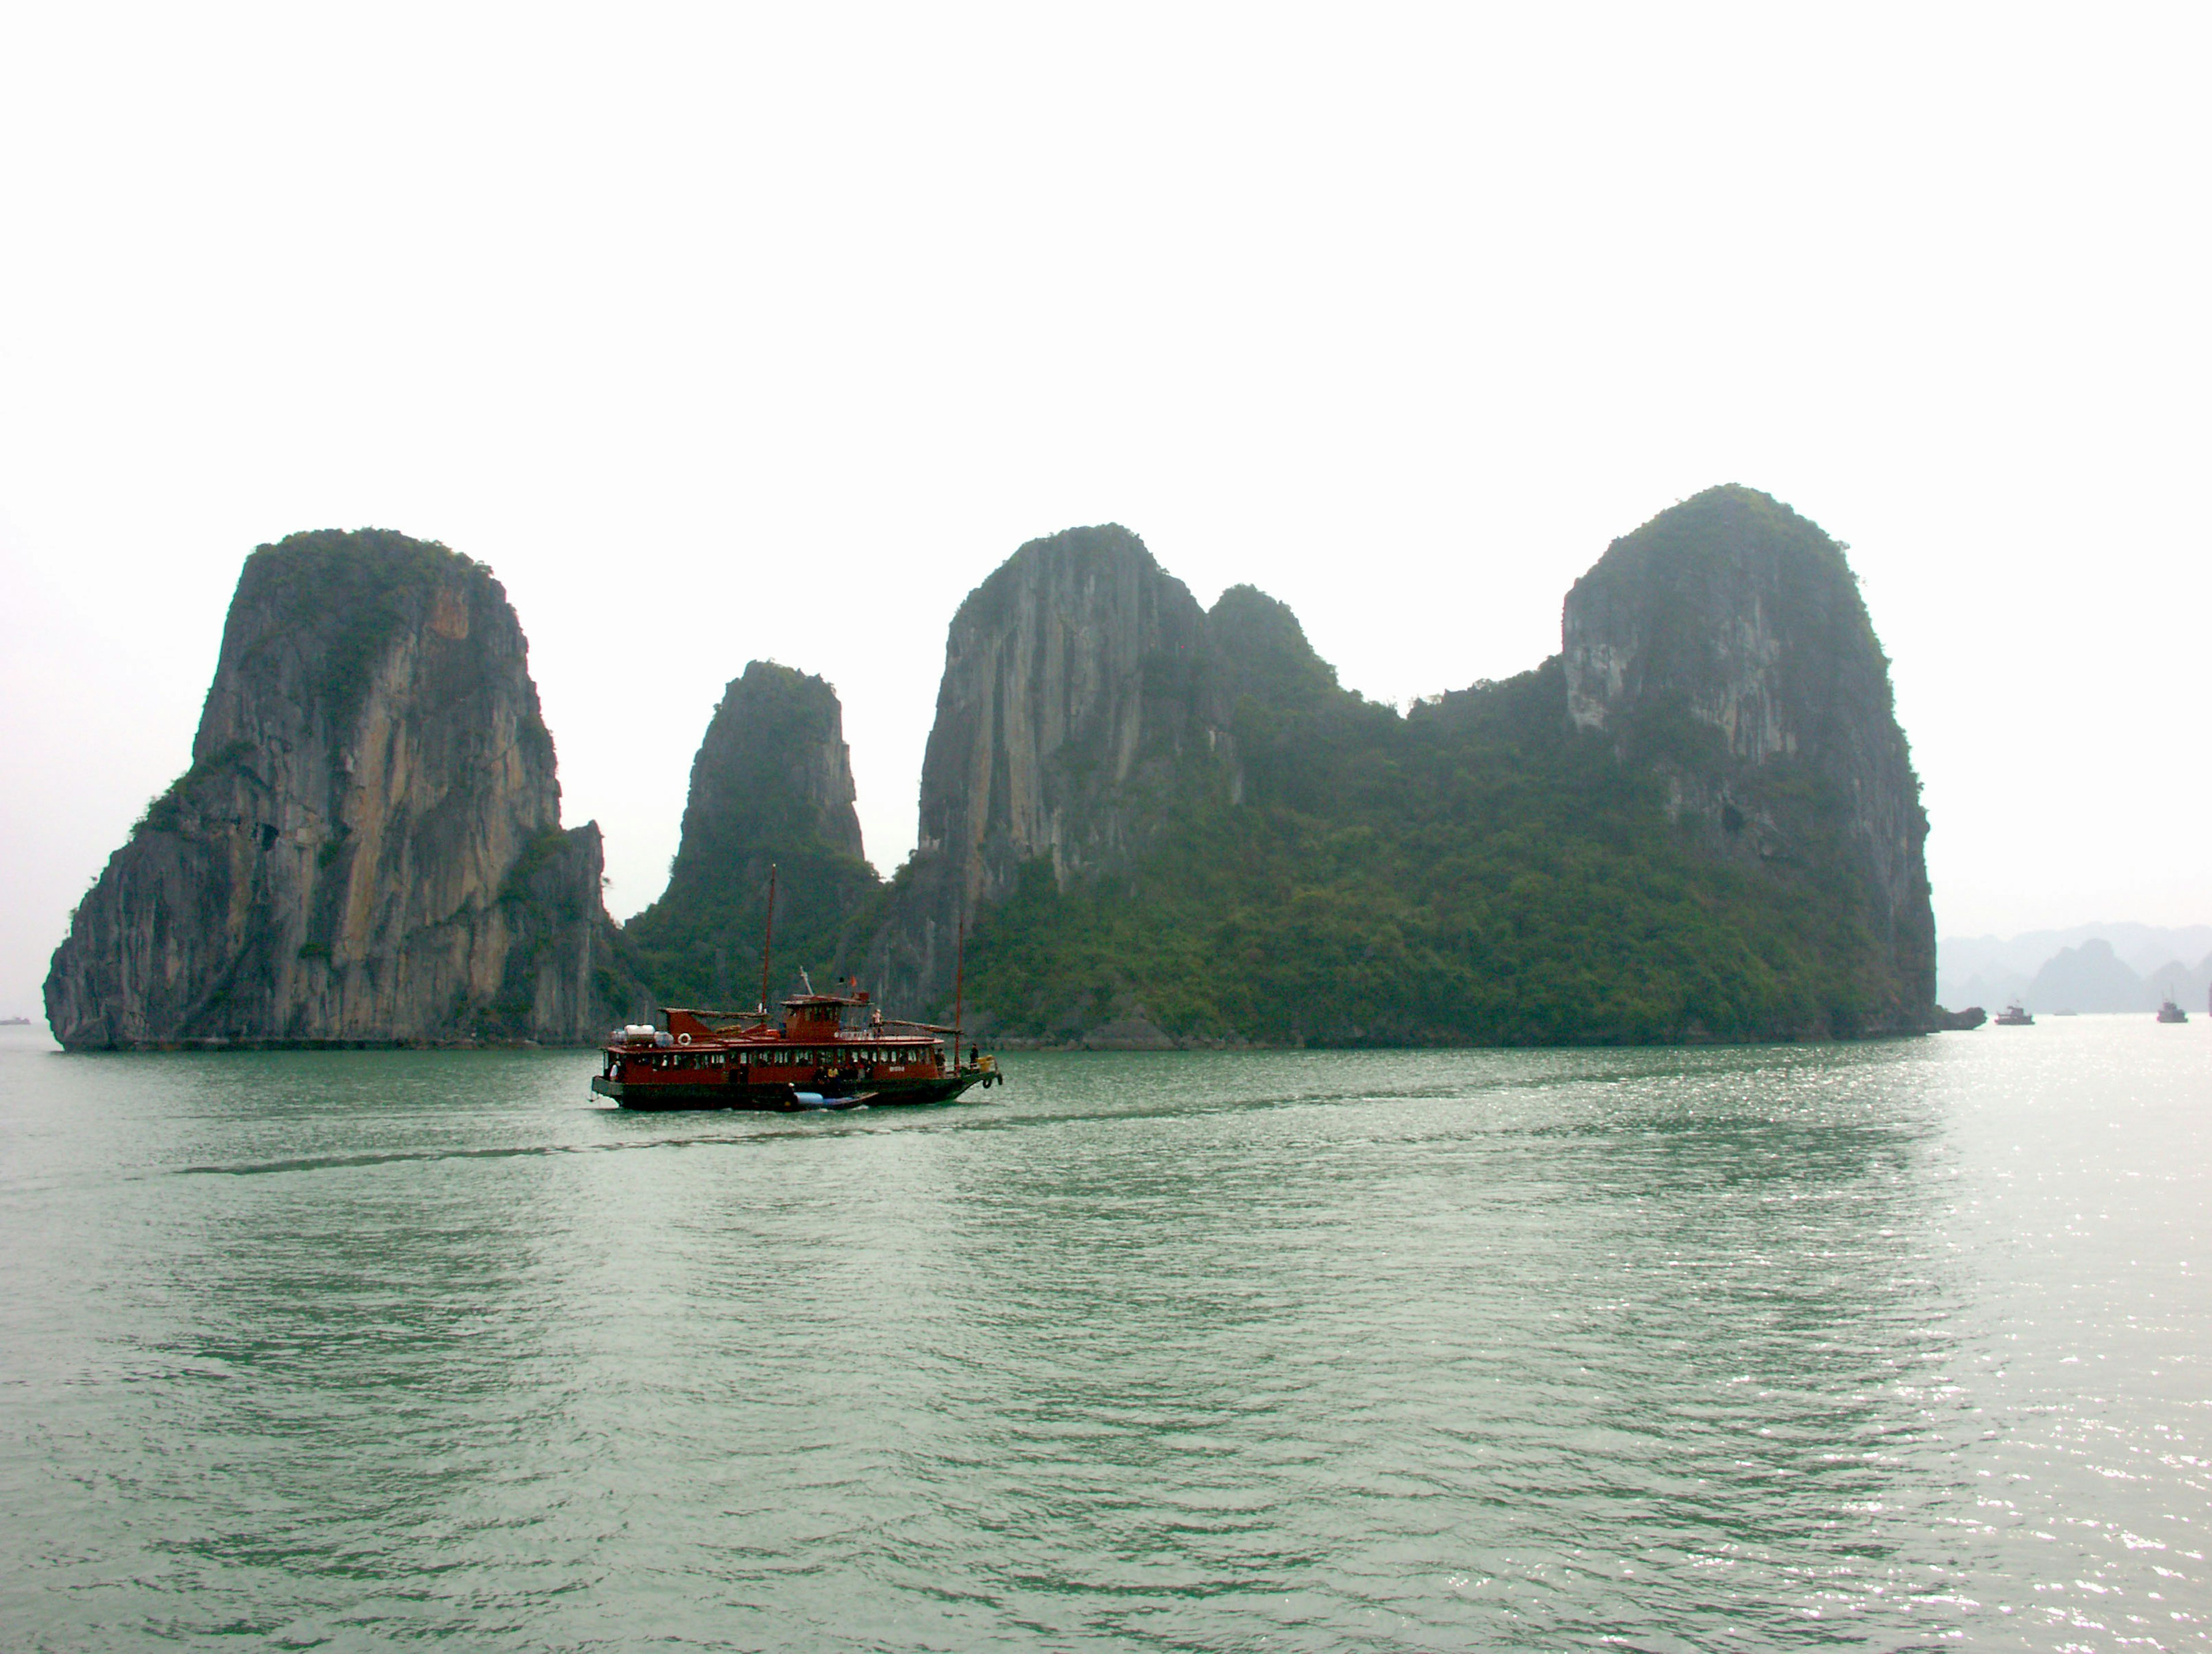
x,y
826,1051
808,1059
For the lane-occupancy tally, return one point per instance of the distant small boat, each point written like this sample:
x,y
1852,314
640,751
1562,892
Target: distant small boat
x,y
15,1021
2170,1011
2065,1013
2014,1016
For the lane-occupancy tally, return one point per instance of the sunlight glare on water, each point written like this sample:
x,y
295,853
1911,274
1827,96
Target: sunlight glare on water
x,y
1900,1345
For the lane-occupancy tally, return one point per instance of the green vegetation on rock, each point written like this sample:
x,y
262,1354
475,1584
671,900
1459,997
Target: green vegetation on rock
x,y
348,594
1698,821
347,587
164,814
771,785
1476,873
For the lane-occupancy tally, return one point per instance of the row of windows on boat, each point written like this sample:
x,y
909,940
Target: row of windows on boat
x,y
802,1057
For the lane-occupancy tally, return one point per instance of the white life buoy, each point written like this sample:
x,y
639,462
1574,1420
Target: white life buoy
x,y
684,1039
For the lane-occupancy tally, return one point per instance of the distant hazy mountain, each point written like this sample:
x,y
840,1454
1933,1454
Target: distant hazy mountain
x,y
1987,970
2185,986
2090,977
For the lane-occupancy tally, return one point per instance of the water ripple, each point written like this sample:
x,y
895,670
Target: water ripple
x,y
1888,1347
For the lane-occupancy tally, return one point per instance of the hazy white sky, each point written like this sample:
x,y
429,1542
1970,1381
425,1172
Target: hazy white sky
x,y
726,331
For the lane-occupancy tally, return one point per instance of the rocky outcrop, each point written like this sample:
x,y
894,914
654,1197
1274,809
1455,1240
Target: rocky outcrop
x,y
772,785
1726,642
1258,652
1085,695
1169,826
367,847
1079,689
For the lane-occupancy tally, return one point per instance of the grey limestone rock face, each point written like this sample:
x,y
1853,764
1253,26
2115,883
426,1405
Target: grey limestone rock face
x,y
1078,684
1084,692
367,847
1726,642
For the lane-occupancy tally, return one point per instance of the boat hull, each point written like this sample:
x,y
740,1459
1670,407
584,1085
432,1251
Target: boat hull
x,y
719,1094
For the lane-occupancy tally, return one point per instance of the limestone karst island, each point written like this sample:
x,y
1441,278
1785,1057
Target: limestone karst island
x,y
1160,824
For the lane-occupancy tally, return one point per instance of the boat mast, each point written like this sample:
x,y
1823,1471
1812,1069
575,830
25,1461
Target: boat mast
x,y
959,983
768,937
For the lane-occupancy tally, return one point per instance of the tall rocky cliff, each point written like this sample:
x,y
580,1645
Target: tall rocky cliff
x,y
1078,696
1726,643
367,846
772,785
1165,825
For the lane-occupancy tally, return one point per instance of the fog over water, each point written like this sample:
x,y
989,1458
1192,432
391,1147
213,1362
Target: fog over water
x,y
816,315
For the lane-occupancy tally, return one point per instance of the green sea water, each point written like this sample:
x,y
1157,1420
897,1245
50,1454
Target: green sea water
x,y
1893,1345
